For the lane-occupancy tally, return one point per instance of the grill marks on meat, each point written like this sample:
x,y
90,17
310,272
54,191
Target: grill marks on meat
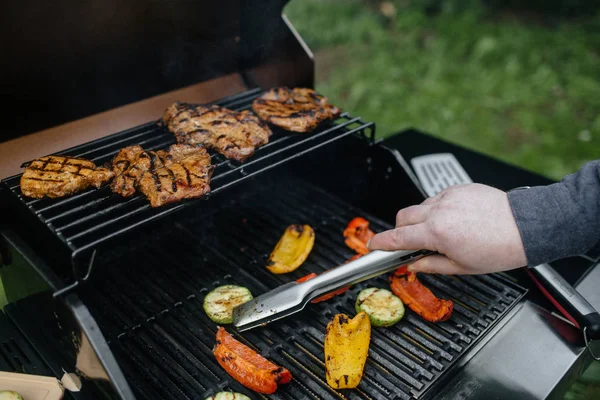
x,y
185,170
130,164
59,176
297,110
164,177
234,134
185,174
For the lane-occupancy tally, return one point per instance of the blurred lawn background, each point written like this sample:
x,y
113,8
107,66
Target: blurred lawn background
x,y
519,81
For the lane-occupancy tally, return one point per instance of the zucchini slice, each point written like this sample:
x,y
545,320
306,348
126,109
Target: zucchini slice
x,y
382,306
10,395
219,303
228,396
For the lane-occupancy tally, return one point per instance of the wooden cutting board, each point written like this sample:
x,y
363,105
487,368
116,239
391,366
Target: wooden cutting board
x,y
32,387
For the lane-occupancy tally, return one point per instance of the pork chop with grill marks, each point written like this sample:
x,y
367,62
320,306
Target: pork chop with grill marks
x,y
59,176
130,164
297,110
185,174
234,134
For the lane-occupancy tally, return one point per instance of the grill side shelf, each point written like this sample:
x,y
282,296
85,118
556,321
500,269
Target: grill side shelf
x,y
92,218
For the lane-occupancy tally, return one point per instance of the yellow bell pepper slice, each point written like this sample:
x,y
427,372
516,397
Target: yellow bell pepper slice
x,y
346,348
292,249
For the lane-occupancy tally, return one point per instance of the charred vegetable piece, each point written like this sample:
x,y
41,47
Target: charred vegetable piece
x,y
325,296
346,348
10,395
306,277
381,305
292,249
418,297
357,234
219,303
228,396
247,366
331,294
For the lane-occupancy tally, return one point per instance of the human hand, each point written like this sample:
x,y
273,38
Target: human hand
x,y
471,226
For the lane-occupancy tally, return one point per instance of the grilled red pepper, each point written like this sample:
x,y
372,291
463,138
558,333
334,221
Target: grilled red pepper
x,y
419,298
325,296
357,234
306,277
331,294
247,366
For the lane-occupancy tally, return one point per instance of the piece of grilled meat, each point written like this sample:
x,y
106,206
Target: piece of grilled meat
x,y
130,164
59,176
185,174
164,177
297,110
234,134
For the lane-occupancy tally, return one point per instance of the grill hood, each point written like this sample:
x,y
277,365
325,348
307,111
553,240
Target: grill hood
x,y
71,60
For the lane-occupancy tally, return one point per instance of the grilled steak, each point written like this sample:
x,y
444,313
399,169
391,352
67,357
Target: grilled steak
x,y
185,174
130,164
298,110
58,176
234,134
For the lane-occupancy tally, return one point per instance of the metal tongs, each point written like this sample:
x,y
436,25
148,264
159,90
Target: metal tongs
x,y
293,297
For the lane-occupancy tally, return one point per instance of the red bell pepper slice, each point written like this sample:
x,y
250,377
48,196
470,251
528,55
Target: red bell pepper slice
x,y
247,366
418,297
331,294
357,234
325,296
306,277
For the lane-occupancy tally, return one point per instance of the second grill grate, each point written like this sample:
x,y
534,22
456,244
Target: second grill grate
x,y
86,220
149,305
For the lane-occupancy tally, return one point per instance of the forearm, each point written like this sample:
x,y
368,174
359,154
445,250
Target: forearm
x,y
562,219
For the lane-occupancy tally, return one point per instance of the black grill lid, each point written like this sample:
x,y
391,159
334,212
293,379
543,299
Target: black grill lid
x,y
76,60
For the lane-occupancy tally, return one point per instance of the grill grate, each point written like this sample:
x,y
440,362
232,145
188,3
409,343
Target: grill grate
x,y
150,306
90,218
19,356
16,354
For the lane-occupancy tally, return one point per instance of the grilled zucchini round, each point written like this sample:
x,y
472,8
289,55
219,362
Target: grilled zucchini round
x,y
381,305
219,303
10,395
228,396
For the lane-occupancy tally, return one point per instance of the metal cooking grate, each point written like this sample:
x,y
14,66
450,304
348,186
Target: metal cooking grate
x,y
150,306
90,218
16,353
19,356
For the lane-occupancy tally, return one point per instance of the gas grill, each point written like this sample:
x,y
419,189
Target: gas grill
x,y
146,297
126,282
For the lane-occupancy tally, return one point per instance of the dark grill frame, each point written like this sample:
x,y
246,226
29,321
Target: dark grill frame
x,y
91,218
162,339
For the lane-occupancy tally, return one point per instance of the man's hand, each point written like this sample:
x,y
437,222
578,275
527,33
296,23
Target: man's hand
x,y
471,226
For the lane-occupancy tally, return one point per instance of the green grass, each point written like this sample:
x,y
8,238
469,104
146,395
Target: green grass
x,y
521,90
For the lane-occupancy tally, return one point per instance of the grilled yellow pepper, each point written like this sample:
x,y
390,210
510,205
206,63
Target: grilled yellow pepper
x,y
346,348
292,249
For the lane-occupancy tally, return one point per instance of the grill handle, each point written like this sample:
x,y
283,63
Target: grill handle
x,y
568,300
366,267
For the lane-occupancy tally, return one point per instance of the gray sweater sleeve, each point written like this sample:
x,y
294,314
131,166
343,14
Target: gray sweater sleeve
x,y
562,219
